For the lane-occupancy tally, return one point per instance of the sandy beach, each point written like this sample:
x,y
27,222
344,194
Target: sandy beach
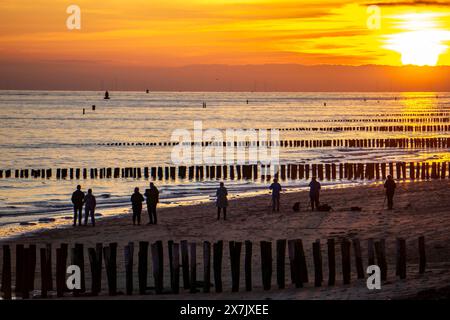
x,y
421,208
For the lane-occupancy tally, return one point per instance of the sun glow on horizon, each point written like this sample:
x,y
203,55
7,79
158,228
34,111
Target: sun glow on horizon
x,y
423,41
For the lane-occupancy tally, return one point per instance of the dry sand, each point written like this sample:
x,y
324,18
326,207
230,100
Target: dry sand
x,y
421,208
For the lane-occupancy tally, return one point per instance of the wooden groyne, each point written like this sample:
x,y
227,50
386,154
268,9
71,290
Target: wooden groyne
x,y
445,119
386,128
290,171
182,263
404,143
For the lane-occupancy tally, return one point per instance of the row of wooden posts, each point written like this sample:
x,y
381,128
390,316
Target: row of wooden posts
x,y
443,119
25,266
407,143
440,113
396,128
328,171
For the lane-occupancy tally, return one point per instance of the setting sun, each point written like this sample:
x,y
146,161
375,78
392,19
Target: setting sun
x,y
422,43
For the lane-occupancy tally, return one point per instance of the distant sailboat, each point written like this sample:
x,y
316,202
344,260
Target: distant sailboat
x,y
106,95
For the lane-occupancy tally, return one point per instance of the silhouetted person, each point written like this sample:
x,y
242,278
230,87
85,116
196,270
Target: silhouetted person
x,y
136,202
89,207
222,201
152,196
77,200
314,193
276,189
390,186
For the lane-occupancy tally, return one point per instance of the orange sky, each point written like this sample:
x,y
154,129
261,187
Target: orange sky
x,y
175,32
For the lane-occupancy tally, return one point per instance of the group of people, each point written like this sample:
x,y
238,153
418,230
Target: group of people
x,y
275,187
314,195
88,200
314,192
79,199
152,199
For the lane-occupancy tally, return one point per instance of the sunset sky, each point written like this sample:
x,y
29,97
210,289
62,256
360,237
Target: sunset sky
x,y
174,33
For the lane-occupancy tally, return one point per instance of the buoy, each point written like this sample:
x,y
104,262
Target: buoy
x,y
324,104
147,91
106,95
84,111
93,107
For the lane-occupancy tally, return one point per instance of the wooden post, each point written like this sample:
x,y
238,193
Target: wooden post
x,y
169,252
110,255
358,259
266,264
302,262
175,261
129,252
98,270
317,256
31,266
93,263
422,256
217,265
346,269
206,266
185,263
248,265
292,264
6,273
156,268
19,268
25,272
193,265
370,252
142,266
235,263
60,272
43,259
79,261
331,262
48,248
381,259
281,260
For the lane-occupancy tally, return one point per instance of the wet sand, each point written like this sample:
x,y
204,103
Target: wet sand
x,y
421,208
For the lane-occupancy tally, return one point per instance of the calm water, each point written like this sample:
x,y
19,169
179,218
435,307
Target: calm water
x,y
43,129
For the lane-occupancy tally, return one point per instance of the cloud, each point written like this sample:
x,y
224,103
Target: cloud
x,y
410,3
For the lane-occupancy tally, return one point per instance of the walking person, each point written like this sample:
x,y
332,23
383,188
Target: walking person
x,y
89,207
390,186
314,193
152,196
222,201
77,200
276,190
136,202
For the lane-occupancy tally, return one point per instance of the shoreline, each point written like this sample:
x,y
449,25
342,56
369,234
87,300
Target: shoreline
x,y
250,218
13,230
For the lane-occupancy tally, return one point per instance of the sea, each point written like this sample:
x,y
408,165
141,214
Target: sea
x,y
50,129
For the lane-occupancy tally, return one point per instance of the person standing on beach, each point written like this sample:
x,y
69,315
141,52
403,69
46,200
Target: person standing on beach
x,y
152,196
276,189
390,186
77,200
222,201
89,207
136,202
314,192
